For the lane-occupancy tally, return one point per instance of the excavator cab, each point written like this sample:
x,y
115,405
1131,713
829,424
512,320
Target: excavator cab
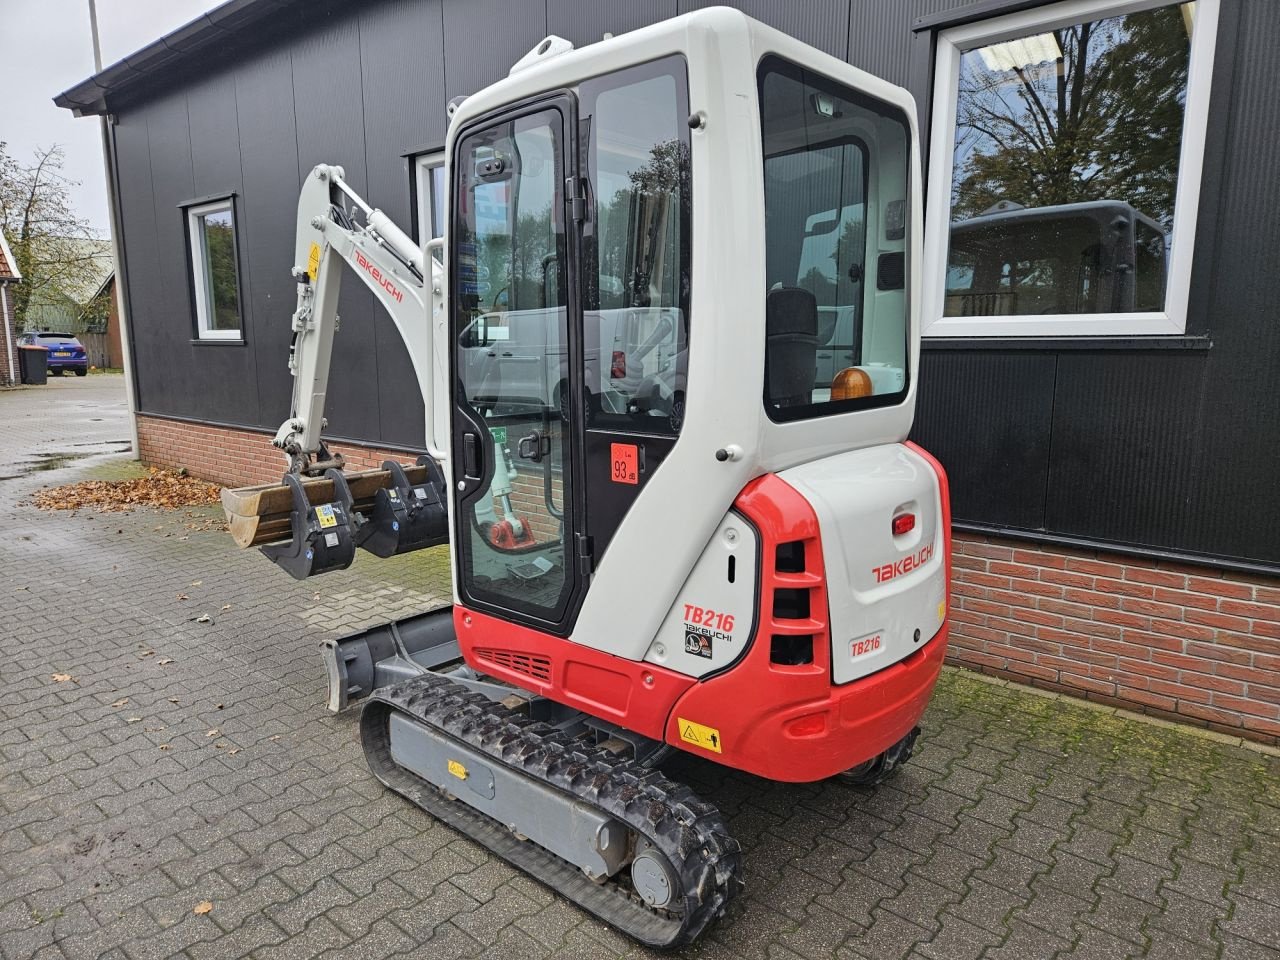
x,y
668,349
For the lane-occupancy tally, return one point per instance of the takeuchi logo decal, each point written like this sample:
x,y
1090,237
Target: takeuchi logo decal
x,y
896,569
385,282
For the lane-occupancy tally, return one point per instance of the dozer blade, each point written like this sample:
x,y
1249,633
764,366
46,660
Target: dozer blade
x,y
623,842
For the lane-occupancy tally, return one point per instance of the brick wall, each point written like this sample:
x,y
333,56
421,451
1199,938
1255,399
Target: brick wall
x,y
235,458
1187,643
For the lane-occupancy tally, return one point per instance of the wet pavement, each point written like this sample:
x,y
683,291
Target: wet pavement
x,y
185,758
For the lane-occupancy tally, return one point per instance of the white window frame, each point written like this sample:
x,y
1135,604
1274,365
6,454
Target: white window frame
x,y
951,45
204,296
423,164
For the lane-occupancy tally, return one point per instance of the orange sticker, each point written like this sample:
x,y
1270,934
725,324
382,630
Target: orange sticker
x,y
622,463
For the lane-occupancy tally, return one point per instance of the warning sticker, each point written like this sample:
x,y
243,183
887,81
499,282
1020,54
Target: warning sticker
x,y
313,262
457,769
324,513
622,463
708,738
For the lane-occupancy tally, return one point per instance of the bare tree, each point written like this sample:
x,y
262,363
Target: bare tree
x,y
48,239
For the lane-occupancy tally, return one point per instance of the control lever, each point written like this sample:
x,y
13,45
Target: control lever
x,y
535,446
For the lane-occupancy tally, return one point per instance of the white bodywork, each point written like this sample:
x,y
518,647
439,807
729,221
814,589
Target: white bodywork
x,y
685,502
886,594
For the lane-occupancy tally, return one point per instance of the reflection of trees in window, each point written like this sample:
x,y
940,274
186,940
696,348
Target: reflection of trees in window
x,y
1102,121
219,237
640,240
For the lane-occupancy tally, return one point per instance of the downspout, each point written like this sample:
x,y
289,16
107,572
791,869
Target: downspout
x,y
113,210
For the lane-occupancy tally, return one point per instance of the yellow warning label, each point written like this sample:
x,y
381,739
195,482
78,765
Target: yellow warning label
x,y
324,513
313,262
942,610
457,769
708,738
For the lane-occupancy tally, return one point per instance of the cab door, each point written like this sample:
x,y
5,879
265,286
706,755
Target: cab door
x,y
514,308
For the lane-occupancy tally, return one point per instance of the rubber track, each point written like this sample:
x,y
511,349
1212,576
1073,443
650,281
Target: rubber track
x,y
690,833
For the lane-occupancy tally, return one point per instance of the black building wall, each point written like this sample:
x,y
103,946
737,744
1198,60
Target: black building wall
x,y
1170,448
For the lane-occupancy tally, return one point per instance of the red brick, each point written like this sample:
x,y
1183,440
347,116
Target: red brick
x,y
1149,699
1260,691
1039,618
982,579
1254,611
1003,568
1036,587
1092,628
1066,578
987,607
1011,598
1253,708
1183,598
1159,578
1079,610
1121,619
1180,690
1175,628
1249,674
1249,641
1087,683
989,551
1036,558
1217,652
1220,588
1124,587
1016,628
1157,640
1204,712
1093,598
1206,681
1267,594
1217,620
1149,608
1063,637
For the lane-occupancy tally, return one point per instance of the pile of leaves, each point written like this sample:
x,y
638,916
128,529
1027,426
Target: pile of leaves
x,y
160,488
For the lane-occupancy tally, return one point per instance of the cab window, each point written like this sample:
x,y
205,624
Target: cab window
x,y
836,205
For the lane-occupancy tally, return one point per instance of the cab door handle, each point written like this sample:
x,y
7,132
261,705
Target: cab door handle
x,y
471,456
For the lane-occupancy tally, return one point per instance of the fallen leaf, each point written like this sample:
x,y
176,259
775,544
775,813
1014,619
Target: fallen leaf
x,y
233,751
148,653
203,907
204,618
164,660
61,677
121,702
219,745
196,583
214,732
166,746
316,597
219,706
152,729
173,700
132,719
226,607
160,488
183,596
275,738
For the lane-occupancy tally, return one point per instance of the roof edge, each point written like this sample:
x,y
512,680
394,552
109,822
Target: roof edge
x,y
89,97
8,256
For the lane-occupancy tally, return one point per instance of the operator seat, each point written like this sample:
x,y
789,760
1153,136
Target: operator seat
x,y
791,346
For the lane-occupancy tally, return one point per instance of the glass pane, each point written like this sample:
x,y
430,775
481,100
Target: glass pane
x,y
221,291
1066,167
835,192
637,280
438,187
513,360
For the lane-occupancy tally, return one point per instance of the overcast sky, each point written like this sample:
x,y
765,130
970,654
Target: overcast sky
x,y
46,48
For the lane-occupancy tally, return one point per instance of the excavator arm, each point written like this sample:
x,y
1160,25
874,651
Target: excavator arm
x,y
406,283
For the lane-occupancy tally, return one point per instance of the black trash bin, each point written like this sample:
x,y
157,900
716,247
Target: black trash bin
x,y
33,364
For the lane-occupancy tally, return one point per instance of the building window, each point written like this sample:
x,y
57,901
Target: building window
x,y
215,275
1065,170
429,191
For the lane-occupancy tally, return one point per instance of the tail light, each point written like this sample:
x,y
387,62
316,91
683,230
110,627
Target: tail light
x,y
903,523
618,368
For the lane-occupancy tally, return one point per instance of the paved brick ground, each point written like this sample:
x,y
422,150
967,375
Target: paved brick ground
x,y
1027,826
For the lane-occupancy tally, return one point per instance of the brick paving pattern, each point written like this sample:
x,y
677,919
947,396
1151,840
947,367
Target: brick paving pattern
x,y
1027,826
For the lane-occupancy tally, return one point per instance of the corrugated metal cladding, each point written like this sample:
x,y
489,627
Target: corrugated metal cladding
x,y
1164,449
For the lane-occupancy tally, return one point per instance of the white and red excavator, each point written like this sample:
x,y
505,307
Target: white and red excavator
x,y
669,351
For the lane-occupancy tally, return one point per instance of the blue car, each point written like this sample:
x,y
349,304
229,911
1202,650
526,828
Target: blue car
x,y
65,351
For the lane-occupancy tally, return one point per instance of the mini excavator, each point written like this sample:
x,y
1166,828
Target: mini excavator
x,y
668,347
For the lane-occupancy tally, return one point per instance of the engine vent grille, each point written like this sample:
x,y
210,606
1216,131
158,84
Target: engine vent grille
x,y
526,663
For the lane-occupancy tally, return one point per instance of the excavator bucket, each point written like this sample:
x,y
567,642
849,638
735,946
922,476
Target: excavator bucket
x,y
311,525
